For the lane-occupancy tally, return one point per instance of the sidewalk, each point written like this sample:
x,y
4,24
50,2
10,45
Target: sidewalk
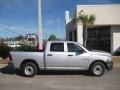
x,y
116,61
116,65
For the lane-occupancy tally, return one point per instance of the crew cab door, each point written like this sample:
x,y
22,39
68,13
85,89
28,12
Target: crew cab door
x,y
77,57
55,56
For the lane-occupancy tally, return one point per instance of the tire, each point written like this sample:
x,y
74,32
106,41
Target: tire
x,y
29,69
97,69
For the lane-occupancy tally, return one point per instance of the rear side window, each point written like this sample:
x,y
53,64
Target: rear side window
x,y
57,47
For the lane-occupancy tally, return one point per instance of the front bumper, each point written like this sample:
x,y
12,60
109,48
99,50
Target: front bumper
x,y
109,66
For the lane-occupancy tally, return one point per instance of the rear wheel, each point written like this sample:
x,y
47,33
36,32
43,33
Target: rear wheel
x,y
29,69
97,69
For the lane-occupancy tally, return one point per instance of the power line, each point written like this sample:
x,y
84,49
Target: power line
x,y
9,30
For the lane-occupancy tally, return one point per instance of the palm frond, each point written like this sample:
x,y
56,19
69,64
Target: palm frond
x,y
91,19
80,12
86,20
75,20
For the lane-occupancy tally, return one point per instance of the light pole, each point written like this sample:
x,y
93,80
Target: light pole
x,y
58,21
40,40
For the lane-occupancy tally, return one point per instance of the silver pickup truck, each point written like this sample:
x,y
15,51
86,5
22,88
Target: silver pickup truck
x,y
62,55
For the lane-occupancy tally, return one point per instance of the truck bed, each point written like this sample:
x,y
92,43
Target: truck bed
x,y
19,56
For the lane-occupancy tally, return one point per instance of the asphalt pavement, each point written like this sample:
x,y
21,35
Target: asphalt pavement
x,y
60,80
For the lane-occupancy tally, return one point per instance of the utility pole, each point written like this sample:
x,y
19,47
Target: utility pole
x,y
58,22
40,40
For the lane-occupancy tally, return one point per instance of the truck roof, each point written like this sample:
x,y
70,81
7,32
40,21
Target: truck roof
x,y
62,41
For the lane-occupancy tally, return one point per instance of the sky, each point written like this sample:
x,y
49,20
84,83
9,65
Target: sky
x,y
20,17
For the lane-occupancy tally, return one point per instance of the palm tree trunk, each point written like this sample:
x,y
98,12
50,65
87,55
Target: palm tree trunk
x,y
85,36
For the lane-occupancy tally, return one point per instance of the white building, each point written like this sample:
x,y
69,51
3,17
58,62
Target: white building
x,y
105,35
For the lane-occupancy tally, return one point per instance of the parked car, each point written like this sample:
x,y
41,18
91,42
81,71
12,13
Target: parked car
x,y
13,44
62,55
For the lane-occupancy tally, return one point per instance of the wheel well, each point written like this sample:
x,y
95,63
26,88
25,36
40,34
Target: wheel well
x,y
98,61
29,60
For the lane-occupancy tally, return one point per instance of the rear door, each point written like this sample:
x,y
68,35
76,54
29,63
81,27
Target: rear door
x,y
55,57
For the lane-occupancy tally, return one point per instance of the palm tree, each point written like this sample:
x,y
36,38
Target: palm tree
x,y
87,21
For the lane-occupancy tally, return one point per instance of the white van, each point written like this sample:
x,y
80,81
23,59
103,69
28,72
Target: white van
x,y
13,44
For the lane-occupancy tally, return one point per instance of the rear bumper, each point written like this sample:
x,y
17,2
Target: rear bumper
x,y
109,66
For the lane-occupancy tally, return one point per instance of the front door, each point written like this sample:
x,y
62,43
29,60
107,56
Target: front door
x,y
76,58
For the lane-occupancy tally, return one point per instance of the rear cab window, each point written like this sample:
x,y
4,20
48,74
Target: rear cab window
x,y
57,47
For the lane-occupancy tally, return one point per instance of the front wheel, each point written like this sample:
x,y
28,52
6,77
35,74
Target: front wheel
x,y
97,69
29,69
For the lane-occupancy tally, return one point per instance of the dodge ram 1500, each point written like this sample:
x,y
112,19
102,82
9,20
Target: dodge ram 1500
x,y
62,55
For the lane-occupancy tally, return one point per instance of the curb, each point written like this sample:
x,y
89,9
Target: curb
x,y
3,65
1,74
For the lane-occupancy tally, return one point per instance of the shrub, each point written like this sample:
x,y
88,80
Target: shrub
x,y
4,51
25,48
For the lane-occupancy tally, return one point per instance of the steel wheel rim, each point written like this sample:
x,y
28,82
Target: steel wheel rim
x,y
97,69
29,70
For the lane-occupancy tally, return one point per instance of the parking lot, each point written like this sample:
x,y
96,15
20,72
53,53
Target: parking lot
x,y
59,80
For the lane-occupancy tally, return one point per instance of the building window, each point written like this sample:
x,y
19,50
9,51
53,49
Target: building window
x,y
99,38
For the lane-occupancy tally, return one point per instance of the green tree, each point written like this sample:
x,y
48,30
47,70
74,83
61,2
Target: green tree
x,y
87,21
2,40
52,37
20,37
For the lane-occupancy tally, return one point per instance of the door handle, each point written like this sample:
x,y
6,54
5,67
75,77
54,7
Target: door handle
x,y
70,55
49,54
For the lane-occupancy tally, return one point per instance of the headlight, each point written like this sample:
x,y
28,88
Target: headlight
x,y
108,60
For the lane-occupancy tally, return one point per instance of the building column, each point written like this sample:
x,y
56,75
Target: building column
x,y
115,38
67,33
73,36
80,33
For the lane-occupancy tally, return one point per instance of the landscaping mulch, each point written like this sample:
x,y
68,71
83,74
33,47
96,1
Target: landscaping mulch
x,y
4,61
116,59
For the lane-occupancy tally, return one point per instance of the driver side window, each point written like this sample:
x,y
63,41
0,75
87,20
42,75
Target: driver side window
x,y
74,47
